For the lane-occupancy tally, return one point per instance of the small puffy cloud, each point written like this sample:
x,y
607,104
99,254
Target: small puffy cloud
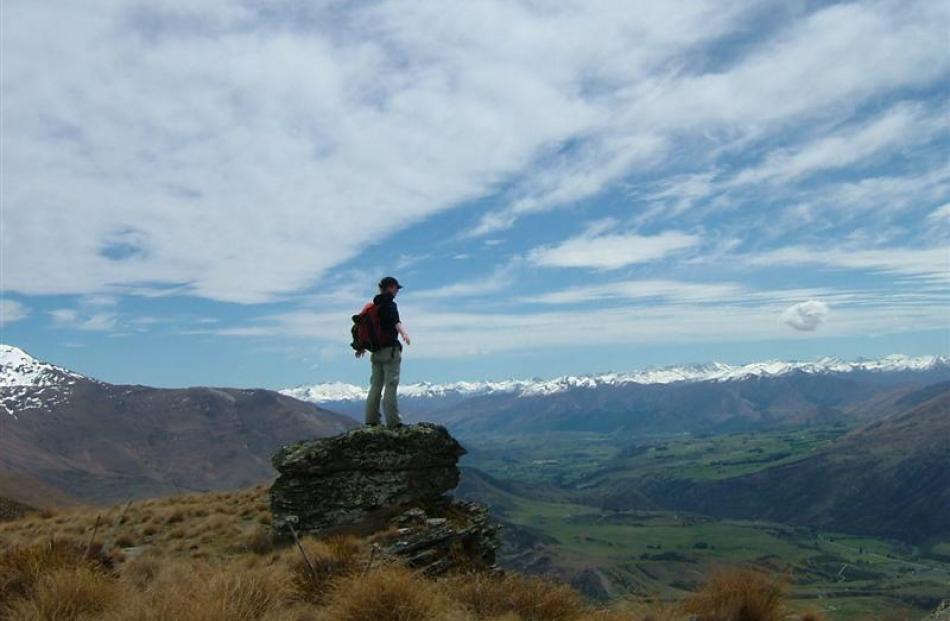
x,y
610,252
805,316
11,311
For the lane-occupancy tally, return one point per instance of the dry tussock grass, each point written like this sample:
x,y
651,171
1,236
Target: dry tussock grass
x,y
391,594
530,598
739,595
210,557
66,594
22,568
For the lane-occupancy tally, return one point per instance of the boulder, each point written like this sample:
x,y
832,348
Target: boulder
x,y
361,477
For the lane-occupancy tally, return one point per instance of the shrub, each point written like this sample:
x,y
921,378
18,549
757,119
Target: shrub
x,y
738,595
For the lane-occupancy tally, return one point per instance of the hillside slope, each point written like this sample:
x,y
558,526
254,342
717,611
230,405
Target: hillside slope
x,y
101,442
890,478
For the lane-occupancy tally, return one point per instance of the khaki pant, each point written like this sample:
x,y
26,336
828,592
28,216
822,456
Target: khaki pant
x,y
386,364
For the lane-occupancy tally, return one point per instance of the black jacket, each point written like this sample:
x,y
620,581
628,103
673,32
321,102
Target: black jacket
x,y
388,318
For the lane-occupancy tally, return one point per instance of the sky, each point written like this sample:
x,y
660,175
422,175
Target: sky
x,y
204,192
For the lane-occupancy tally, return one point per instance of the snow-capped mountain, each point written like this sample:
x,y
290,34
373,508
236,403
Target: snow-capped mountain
x,y
27,383
18,368
338,392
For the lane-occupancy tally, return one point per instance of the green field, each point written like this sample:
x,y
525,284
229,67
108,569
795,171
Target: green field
x,y
576,460
646,555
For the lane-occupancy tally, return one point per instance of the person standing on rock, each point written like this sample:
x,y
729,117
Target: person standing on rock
x,y
387,358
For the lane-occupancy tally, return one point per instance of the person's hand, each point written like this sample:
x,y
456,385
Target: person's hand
x,y
361,353
406,338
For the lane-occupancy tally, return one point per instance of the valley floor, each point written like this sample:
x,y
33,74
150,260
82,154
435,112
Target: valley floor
x,y
549,488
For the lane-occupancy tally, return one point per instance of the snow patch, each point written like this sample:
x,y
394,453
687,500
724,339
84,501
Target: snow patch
x,y
28,384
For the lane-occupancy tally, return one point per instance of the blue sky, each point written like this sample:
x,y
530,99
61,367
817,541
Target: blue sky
x,y
204,192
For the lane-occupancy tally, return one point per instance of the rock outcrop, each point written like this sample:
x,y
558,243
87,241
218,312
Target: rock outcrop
x,y
329,483
389,482
464,539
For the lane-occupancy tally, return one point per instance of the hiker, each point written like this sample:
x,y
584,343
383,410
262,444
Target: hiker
x,y
386,357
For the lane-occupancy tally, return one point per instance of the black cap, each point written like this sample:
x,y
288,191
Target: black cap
x,y
388,282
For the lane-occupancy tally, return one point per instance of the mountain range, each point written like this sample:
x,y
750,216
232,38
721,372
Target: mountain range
x,y
89,440
66,437
706,398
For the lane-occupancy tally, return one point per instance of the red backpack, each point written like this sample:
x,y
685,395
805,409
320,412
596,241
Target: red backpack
x,y
367,331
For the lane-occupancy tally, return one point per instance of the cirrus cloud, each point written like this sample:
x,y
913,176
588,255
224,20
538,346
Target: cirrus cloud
x,y
612,251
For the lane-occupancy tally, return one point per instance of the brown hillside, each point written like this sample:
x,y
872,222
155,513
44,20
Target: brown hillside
x,y
209,556
12,510
100,442
30,491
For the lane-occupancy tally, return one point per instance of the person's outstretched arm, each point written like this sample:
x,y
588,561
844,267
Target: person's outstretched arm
x,y
402,332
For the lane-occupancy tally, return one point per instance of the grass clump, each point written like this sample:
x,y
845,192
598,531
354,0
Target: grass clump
x,y
22,567
65,594
326,563
390,593
530,598
739,595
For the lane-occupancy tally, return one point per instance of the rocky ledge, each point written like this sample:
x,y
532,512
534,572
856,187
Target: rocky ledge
x,y
386,481
461,538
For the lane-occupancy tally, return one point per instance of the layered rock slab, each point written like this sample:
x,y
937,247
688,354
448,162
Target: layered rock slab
x,y
462,538
349,480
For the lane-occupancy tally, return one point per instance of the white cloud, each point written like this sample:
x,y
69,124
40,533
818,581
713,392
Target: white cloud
x,y
805,316
877,46
612,251
240,153
644,289
498,280
940,215
452,335
75,320
901,125
572,179
867,141
11,310
923,263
